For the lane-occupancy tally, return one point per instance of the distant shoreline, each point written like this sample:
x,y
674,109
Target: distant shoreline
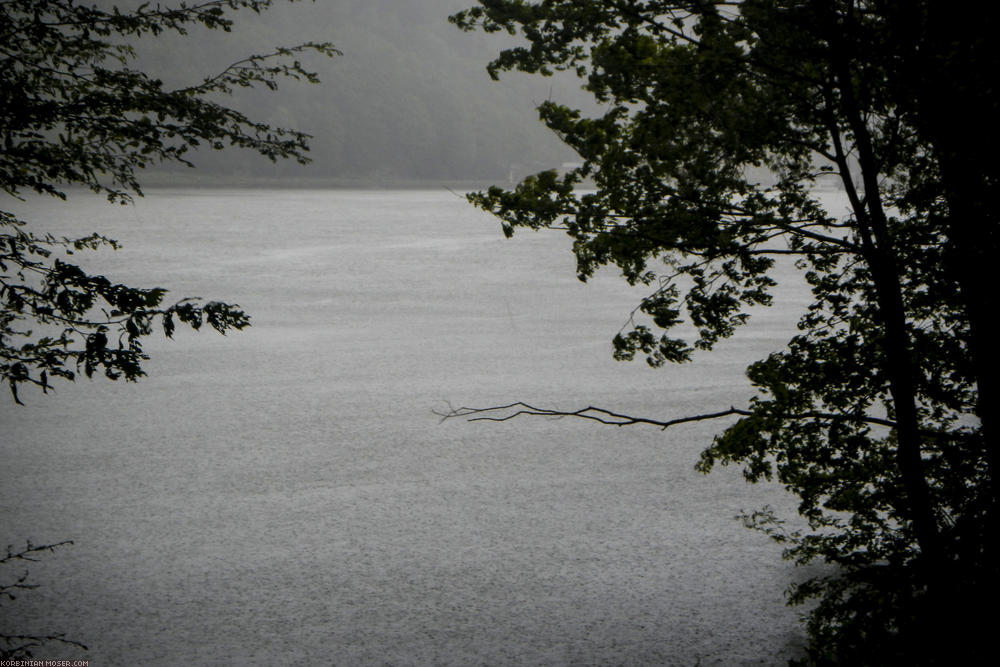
x,y
204,179
209,180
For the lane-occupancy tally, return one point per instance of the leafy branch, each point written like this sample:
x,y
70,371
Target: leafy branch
x,y
76,112
58,320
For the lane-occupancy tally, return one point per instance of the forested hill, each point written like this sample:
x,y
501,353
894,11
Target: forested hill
x,y
408,100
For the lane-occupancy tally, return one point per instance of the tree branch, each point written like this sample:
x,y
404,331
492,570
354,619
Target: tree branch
x,y
30,550
611,418
19,646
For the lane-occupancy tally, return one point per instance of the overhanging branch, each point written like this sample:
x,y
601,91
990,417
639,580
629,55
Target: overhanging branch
x,y
502,413
592,413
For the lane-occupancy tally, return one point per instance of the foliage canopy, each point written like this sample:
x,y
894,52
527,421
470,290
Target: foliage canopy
x,y
880,414
75,111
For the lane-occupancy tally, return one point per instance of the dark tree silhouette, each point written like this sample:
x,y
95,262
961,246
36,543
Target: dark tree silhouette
x,y
75,111
879,414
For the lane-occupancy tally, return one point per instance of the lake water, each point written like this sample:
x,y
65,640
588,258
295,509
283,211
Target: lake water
x,y
286,495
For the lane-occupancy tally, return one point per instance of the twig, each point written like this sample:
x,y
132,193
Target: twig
x,y
29,550
19,646
32,641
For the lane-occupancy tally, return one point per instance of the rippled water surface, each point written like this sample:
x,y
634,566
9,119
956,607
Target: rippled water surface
x,y
286,495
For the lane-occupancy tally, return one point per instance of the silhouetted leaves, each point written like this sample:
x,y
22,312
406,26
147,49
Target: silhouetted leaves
x,y
75,111
717,124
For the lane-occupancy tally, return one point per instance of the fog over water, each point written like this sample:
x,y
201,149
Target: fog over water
x,y
286,494
409,99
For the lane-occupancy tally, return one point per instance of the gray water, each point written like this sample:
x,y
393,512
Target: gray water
x,y
286,495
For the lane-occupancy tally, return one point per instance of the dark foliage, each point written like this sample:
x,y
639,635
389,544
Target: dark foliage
x,y
74,111
719,122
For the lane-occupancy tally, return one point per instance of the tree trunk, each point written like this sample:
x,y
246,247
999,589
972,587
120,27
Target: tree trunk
x,y
881,257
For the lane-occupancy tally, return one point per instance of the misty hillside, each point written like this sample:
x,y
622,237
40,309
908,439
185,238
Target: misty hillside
x,y
408,100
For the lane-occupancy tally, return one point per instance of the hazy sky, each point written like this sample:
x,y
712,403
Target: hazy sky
x,y
409,98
